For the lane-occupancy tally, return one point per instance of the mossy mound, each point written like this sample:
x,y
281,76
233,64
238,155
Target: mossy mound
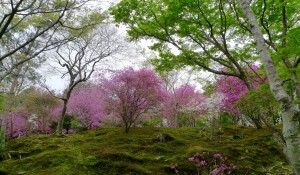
x,y
110,151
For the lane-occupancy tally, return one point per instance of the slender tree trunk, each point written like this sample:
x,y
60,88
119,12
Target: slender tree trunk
x,y
3,133
43,124
8,105
289,112
127,126
61,120
176,124
11,120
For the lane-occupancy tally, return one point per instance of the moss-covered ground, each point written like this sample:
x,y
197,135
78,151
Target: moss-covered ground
x,y
110,151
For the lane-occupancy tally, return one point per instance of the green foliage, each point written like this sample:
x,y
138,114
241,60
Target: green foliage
x,y
2,144
111,123
225,119
67,125
67,122
186,120
77,126
2,132
2,101
38,100
259,103
53,125
109,151
201,122
176,27
154,121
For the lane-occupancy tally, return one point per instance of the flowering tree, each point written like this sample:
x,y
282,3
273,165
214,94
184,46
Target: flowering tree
x,y
233,89
78,59
87,104
184,101
18,124
213,106
132,93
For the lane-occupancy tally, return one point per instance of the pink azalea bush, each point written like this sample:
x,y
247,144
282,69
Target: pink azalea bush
x,y
17,124
215,164
133,94
87,105
233,88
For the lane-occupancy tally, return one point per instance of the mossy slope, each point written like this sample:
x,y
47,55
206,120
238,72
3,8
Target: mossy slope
x,y
109,151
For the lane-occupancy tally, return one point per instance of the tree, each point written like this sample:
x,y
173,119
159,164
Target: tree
x,y
133,93
28,28
233,89
207,27
289,110
79,58
184,102
87,105
39,102
260,105
201,32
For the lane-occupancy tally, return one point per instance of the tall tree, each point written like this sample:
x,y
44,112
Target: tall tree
x,y
28,28
289,110
200,31
78,59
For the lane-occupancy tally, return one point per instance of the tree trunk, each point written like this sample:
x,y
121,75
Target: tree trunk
x,y
3,133
127,126
61,120
11,120
289,112
8,104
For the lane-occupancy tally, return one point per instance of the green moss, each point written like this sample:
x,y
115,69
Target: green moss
x,y
110,151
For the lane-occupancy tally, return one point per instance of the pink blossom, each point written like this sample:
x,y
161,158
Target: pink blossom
x,y
215,172
203,163
191,158
232,88
217,155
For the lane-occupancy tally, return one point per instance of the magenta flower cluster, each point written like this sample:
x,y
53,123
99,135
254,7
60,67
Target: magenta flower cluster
x,y
214,164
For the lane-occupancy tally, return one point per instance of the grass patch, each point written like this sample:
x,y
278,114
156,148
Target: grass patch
x,y
109,151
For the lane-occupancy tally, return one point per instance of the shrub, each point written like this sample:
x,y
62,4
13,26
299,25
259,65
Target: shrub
x,y
154,121
201,122
66,125
216,164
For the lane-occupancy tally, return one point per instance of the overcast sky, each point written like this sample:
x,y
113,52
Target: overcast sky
x,y
134,58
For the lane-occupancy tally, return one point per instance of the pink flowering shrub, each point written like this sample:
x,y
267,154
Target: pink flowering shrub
x,y
132,95
87,104
233,89
216,164
17,124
